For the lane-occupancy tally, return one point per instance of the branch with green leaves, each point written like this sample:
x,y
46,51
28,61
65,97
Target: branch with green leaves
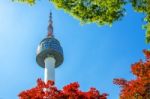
x,y
101,12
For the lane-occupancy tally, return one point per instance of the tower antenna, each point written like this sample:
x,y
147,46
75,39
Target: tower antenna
x,y
50,26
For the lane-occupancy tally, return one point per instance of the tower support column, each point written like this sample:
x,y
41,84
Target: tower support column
x,y
49,69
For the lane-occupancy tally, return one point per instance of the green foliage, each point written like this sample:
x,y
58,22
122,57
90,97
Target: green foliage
x,y
31,2
143,6
101,12
148,33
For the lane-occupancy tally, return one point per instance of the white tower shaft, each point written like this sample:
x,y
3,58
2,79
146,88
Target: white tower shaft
x,y
49,69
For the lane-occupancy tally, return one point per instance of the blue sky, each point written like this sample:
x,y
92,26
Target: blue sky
x,y
93,55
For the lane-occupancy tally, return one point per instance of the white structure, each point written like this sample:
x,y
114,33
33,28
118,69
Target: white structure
x,y
49,53
49,69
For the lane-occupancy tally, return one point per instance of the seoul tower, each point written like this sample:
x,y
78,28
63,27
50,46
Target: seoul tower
x,y
49,53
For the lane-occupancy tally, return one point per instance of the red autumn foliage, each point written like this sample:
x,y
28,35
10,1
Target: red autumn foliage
x,y
49,91
139,88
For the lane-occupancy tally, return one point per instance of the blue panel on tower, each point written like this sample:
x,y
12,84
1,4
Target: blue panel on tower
x,y
49,47
52,44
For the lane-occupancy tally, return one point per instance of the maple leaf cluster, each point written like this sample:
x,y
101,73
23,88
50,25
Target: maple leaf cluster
x,y
49,91
139,88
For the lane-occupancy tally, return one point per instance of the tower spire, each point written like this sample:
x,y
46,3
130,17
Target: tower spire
x,y
50,25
